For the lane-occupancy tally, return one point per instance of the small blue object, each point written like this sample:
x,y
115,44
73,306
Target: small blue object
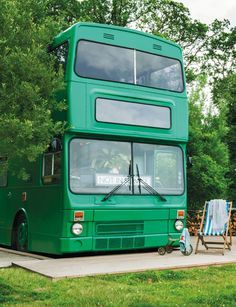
x,y
185,244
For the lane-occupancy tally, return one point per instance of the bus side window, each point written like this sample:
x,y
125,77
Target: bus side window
x,y
3,171
61,54
51,167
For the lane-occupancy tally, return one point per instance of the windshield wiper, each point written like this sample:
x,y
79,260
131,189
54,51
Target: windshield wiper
x,y
116,188
147,187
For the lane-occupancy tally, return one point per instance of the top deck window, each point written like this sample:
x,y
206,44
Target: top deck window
x,y
160,72
113,63
105,62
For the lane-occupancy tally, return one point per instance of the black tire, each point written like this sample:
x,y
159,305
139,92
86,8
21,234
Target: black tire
x,y
20,234
169,249
161,250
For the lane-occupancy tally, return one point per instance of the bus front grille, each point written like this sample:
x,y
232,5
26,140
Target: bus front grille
x,y
119,229
119,243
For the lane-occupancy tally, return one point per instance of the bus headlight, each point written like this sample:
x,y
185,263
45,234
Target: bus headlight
x,y
179,225
77,229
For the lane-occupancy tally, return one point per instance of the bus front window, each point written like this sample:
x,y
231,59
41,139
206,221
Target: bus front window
x,y
161,167
97,166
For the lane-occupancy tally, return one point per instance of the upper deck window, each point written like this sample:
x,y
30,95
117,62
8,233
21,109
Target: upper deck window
x,y
105,62
160,72
113,63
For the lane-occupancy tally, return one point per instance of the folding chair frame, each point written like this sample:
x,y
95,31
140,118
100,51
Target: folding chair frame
x,y
227,234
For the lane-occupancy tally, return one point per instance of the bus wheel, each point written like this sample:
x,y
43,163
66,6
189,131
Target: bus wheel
x,y
20,233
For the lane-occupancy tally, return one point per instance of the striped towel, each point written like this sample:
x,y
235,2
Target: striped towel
x,y
209,226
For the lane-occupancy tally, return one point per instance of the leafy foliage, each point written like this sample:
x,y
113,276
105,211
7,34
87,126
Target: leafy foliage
x,y
27,80
206,178
210,47
225,98
116,12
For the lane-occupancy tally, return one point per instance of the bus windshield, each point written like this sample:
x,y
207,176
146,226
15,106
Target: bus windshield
x,y
97,166
113,63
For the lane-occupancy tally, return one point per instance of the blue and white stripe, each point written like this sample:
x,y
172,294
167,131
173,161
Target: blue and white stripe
x,y
207,229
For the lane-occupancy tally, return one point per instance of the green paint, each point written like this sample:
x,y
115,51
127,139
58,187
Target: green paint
x,y
123,221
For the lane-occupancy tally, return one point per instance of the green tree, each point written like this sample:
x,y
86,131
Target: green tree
x,y
206,48
225,97
115,12
206,178
27,80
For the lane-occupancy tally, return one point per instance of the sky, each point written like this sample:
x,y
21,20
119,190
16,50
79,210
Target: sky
x,y
208,10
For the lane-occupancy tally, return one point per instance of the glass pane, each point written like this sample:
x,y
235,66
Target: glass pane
x,y
57,163
105,62
121,112
98,166
47,164
159,72
161,167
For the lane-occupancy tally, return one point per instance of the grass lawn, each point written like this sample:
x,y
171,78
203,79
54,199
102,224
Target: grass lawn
x,y
213,286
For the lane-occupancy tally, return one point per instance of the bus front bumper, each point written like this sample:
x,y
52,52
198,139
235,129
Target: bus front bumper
x,y
96,244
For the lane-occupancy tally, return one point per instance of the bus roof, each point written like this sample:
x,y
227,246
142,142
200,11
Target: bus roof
x,y
67,33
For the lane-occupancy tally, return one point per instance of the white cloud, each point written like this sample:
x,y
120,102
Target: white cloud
x,y
208,10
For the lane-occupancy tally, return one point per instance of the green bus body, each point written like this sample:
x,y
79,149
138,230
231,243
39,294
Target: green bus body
x,y
128,219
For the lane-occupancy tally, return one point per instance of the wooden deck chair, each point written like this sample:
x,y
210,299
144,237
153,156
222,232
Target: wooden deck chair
x,y
206,230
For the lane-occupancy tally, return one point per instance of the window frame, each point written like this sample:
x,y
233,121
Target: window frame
x,y
134,125
49,179
132,167
135,72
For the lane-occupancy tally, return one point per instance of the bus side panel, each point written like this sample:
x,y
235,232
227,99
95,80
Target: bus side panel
x,y
5,218
45,219
42,210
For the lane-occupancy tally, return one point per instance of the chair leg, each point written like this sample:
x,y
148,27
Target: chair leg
x,y
203,242
198,238
230,236
226,242
223,252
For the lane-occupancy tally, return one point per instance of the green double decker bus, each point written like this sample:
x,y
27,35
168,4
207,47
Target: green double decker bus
x,y
116,179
